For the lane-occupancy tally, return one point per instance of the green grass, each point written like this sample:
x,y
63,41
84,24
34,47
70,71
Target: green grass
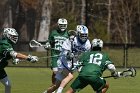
x,y
36,80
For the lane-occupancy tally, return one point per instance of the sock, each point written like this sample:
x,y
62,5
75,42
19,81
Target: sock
x,y
60,89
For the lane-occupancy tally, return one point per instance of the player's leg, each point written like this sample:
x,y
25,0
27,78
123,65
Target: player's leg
x,y
54,67
105,88
52,88
78,84
64,82
98,84
6,82
60,75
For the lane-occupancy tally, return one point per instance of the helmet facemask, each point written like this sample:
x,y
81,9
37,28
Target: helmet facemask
x,y
62,23
63,27
83,37
97,44
82,33
11,34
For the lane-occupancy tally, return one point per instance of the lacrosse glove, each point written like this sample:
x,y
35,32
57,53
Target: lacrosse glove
x,y
32,58
116,74
70,55
15,61
47,46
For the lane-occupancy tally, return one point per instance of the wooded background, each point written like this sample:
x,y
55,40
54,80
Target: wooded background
x,y
114,21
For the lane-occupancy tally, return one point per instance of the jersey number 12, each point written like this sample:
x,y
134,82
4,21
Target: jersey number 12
x,y
96,58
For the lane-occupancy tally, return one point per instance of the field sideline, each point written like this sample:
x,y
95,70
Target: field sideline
x,y
36,80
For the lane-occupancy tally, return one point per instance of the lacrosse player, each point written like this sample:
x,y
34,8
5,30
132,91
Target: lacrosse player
x,y
94,63
71,48
56,39
9,38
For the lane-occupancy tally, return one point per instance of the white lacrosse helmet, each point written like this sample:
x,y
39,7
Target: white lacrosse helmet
x,y
11,34
82,32
62,23
97,43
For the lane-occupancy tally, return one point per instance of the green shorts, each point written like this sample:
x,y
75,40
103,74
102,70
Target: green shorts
x,y
97,83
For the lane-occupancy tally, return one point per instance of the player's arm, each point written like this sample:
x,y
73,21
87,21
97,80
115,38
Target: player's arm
x,y
112,67
113,71
15,54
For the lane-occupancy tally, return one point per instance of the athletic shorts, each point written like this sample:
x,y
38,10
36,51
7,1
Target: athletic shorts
x,y
97,83
62,73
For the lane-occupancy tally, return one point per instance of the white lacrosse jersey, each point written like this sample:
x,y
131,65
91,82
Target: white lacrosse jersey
x,y
76,48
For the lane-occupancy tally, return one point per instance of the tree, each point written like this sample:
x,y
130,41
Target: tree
x,y
45,22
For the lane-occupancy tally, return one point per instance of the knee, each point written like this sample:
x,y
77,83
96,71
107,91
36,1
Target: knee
x,y
8,85
71,76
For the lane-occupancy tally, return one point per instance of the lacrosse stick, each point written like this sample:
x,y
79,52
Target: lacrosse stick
x,y
34,43
16,60
72,34
129,72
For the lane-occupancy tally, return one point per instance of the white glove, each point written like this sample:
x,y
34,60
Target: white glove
x,y
15,61
32,58
116,74
47,46
70,55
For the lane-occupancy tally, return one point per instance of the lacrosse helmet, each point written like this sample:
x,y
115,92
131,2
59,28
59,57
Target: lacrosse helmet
x,y
82,33
97,43
10,34
62,23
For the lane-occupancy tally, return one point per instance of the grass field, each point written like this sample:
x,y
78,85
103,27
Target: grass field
x,y
36,80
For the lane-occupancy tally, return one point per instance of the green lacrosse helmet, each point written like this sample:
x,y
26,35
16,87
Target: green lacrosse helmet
x,y
10,34
96,43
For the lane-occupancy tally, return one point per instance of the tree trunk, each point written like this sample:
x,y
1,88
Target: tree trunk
x,y
83,12
45,22
109,20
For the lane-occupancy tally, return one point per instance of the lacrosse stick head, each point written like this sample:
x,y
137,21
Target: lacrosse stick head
x,y
34,43
72,34
129,72
133,70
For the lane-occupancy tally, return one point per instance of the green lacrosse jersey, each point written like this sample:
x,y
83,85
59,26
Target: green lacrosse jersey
x,y
5,49
94,63
56,39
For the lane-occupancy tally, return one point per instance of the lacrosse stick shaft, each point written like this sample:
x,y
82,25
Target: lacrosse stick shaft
x,y
108,76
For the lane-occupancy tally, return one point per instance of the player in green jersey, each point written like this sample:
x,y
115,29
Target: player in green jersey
x,y
56,39
94,63
9,38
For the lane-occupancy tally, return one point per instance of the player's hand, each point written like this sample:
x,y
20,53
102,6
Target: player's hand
x,y
116,74
70,55
32,58
47,46
15,61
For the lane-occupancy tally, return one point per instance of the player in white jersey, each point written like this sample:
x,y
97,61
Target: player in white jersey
x,y
71,48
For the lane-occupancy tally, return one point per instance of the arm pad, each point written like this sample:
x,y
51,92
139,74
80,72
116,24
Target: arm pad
x,y
13,54
111,67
